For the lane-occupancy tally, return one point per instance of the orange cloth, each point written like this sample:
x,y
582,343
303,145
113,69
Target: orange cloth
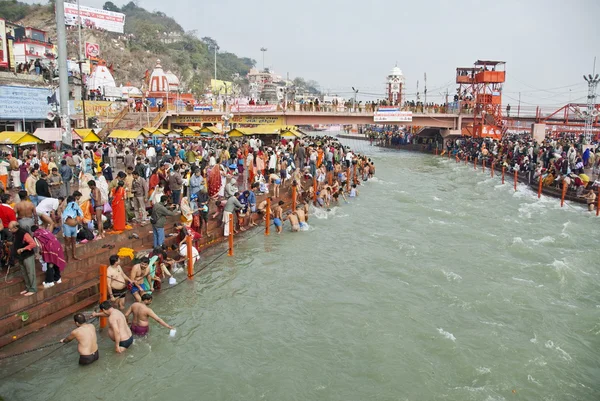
x,y
118,207
4,179
44,167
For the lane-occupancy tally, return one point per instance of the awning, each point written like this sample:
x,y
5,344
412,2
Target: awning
x,y
87,135
291,133
210,130
49,135
18,138
126,134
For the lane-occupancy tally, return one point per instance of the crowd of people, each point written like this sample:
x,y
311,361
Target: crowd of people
x,y
560,160
88,193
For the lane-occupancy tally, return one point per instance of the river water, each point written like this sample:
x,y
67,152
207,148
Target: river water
x,y
437,283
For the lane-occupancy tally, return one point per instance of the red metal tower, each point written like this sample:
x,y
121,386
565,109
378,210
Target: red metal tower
x,y
480,91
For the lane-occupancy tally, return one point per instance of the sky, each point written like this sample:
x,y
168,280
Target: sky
x,y
547,44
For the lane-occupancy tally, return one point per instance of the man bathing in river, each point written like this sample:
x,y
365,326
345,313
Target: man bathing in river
x,y
85,334
140,326
278,217
118,330
117,282
139,272
302,215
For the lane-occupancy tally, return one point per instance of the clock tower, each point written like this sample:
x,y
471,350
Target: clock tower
x,y
395,84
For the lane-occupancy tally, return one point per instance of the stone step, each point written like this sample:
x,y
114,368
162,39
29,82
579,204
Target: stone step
x,y
17,334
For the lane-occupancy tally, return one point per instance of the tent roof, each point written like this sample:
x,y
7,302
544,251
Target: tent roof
x,y
126,134
210,129
88,135
18,138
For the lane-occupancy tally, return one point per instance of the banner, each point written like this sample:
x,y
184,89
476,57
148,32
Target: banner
x,y
96,108
263,108
92,50
95,18
20,102
203,107
3,44
249,120
392,116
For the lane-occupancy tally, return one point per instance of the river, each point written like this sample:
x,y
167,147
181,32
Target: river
x,y
436,283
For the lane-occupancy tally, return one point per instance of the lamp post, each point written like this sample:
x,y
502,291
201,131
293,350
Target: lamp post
x,y
354,99
263,50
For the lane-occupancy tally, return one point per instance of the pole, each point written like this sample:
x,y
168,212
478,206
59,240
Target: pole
x,y
598,203
293,197
492,168
540,187
483,164
516,178
215,62
79,61
63,77
190,258
230,222
348,179
564,192
103,291
354,175
475,164
503,169
268,216
314,190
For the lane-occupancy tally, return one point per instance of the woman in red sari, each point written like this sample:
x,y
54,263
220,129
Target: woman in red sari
x,y
118,207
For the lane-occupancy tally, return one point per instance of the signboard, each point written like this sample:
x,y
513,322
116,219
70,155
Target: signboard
x,y
92,50
94,18
3,44
96,108
254,120
264,108
20,102
392,116
203,107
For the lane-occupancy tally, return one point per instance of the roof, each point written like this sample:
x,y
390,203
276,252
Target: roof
x,y
291,132
50,134
18,138
210,129
87,135
126,134
488,62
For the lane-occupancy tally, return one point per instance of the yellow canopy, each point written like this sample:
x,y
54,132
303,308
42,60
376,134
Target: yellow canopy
x,y
126,134
87,135
18,138
210,130
291,133
147,130
191,131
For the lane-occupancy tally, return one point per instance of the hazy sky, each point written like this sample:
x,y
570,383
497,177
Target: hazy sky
x,y
547,44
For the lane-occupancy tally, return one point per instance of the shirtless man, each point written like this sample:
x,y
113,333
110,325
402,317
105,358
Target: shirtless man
x,y
278,217
302,217
117,282
85,334
293,218
140,326
25,210
262,208
138,273
275,181
118,330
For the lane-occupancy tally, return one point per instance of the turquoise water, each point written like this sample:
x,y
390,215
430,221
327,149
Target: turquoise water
x,y
437,283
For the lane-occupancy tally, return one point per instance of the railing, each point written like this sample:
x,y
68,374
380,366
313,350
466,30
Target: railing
x,y
114,123
156,121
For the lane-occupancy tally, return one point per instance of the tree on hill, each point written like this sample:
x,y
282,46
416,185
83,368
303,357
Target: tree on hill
x,y
110,6
14,10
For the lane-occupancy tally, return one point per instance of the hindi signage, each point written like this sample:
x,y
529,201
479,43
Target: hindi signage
x,y
20,102
94,18
250,120
92,50
392,114
263,108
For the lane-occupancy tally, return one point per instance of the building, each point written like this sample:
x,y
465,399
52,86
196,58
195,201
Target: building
x,y
32,44
394,86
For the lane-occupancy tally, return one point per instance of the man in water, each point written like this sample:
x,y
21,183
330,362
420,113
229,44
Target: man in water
x,y
117,282
118,330
302,217
140,326
85,334
293,218
139,272
278,217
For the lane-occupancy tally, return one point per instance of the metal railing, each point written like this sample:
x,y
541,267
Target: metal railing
x,y
114,122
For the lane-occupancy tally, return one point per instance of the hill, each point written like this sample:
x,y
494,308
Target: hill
x,y
148,36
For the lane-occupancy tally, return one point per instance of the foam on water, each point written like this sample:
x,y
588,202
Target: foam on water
x,y
451,276
446,334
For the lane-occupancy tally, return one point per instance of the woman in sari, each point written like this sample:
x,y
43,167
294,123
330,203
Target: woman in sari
x,y
97,155
52,254
118,207
187,214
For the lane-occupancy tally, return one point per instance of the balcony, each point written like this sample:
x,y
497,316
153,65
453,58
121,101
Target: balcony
x,y
490,77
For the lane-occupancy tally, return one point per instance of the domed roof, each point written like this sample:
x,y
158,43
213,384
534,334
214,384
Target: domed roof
x,y
101,78
173,81
158,79
397,72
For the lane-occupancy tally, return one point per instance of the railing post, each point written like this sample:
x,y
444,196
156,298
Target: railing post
x,y
103,291
230,222
330,174
293,197
190,259
564,192
540,187
516,178
492,168
483,164
503,169
315,190
354,175
475,164
598,202
268,216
